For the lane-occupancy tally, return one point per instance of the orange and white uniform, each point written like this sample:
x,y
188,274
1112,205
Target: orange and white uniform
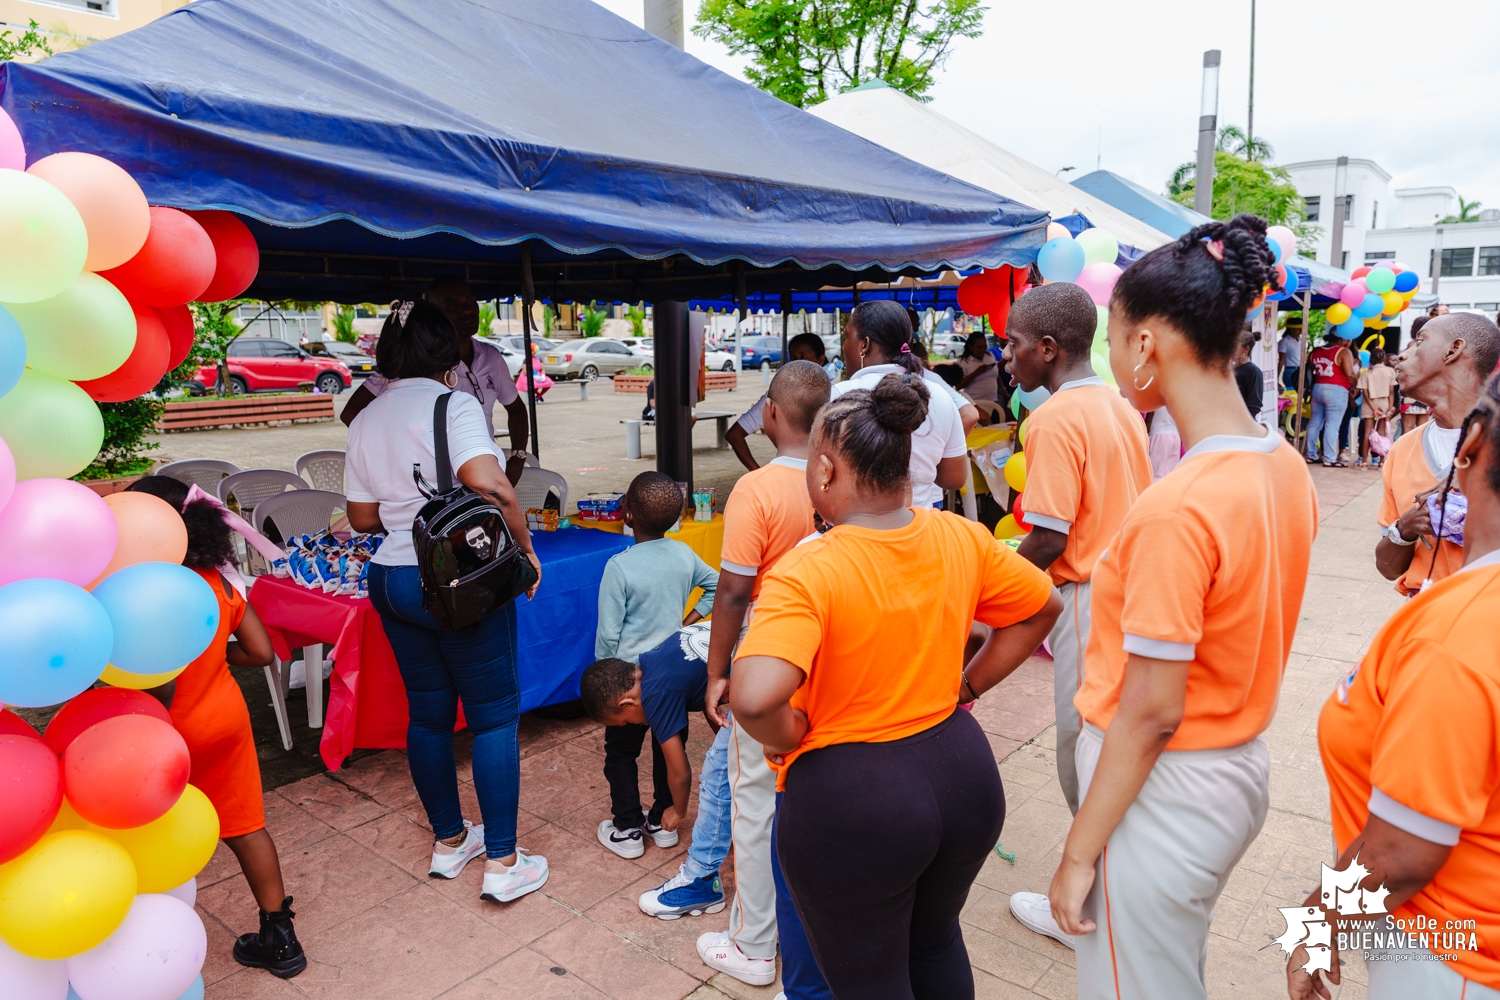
x,y
1412,736
767,514
1209,568
1086,463
1418,463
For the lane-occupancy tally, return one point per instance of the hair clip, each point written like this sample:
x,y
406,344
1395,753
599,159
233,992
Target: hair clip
x,y
402,308
905,348
1215,249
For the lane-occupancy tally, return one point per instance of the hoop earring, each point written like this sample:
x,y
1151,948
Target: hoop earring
x,y
450,379
1135,373
1463,463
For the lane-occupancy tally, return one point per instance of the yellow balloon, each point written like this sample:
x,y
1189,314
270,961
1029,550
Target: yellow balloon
x,y
172,849
1339,313
1008,528
115,677
68,819
1101,367
1408,295
1021,432
1015,471
65,895
1392,302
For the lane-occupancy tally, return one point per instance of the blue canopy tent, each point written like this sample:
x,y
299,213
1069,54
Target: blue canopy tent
x,y
550,149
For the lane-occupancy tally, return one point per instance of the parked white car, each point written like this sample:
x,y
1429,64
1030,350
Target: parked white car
x,y
949,345
718,361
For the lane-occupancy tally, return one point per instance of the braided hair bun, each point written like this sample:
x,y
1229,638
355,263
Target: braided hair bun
x,y
1203,284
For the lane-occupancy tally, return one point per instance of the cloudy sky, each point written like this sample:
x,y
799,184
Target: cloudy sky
x,y
1412,86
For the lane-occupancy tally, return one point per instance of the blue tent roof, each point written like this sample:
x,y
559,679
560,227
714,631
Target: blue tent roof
x,y
372,145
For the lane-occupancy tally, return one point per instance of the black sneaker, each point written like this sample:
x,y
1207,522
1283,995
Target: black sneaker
x,y
275,948
625,843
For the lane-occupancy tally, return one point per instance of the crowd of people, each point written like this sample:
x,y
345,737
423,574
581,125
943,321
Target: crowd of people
x,y
854,623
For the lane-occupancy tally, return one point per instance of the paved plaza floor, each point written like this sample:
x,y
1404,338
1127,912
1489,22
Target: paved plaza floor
x,y
355,845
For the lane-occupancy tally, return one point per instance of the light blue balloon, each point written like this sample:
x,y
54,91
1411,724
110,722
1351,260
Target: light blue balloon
x,y
193,992
1292,284
1276,250
1407,280
1350,328
164,616
1370,307
1364,359
1031,400
55,640
12,351
1060,259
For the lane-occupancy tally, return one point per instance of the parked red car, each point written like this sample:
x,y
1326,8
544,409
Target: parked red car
x,y
260,364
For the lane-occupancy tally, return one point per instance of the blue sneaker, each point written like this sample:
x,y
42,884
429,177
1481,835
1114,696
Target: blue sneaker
x,y
683,896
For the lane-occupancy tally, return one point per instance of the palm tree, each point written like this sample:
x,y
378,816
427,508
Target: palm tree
x,y
1468,211
1232,139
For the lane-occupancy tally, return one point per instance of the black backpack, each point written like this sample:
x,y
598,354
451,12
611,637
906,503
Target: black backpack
x,y
471,567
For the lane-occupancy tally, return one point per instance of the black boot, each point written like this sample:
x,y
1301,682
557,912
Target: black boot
x,y
275,948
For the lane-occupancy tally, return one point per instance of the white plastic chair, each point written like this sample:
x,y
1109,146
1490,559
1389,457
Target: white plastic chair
x,y
298,512
204,473
254,486
534,486
324,470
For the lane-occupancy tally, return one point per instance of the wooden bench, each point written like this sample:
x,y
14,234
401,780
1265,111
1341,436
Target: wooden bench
x,y
241,411
633,429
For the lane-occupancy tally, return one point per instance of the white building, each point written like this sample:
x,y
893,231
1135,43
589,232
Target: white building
x,y
1400,225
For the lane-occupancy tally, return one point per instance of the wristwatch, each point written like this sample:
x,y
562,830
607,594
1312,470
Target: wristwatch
x,y
1392,533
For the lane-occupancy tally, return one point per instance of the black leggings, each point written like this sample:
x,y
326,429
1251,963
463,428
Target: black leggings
x,y
880,843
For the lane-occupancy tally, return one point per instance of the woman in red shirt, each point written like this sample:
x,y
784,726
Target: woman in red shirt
x,y
1333,379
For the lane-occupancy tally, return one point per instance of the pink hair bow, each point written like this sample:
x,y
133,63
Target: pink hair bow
x,y
1215,249
256,540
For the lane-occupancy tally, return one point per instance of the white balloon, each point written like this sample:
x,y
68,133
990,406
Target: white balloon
x,y
154,955
27,978
187,892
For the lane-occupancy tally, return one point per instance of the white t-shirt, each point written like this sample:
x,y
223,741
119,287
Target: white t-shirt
x,y
1438,446
394,433
940,436
487,380
752,420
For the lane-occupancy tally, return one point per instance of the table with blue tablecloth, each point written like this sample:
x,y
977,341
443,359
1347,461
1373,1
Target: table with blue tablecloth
x,y
366,699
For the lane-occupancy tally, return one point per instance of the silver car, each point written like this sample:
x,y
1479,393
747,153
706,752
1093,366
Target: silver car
x,y
588,359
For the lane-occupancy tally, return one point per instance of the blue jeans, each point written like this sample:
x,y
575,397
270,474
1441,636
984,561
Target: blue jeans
x,y
800,976
712,830
1328,404
438,668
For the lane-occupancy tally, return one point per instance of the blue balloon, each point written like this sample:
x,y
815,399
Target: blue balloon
x,y
164,616
1407,280
12,351
1370,307
1060,259
1276,250
1031,400
1292,284
54,641
1350,328
193,992
1364,359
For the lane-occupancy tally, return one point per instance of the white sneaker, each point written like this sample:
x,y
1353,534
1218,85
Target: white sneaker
x,y
447,861
528,874
1034,911
626,843
719,952
659,835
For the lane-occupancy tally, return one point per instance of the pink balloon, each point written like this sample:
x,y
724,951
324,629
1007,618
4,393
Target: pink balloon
x,y
7,474
12,150
1353,293
55,528
157,952
1285,237
1099,281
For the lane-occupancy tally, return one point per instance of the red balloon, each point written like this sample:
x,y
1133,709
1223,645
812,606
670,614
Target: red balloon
x,y
178,322
1019,513
977,293
94,706
175,266
12,724
238,255
125,771
31,787
1008,283
143,369
1360,272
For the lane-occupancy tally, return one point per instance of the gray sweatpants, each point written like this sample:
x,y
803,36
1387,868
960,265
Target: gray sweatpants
x,y
1162,870
1402,977
752,786
1068,640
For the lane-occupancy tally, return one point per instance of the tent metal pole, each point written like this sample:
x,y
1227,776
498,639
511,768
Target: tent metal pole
x,y
528,295
676,389
786,315
1302,370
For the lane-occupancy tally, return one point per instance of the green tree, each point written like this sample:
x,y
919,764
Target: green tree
x,y
29,45
126,425
1242,184
636,316
591,321
1468,211
804,51
343,325
486,319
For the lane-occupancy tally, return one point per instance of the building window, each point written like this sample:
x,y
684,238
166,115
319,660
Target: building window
x,y
1374,213
109,8
1489,260
1310,207
1458,262
1373,255
1487,306
1348,209
1344,261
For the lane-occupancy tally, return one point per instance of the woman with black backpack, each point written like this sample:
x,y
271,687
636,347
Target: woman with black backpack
x,y
444,658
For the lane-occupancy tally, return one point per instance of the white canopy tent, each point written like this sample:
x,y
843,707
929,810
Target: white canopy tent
x,y
889,118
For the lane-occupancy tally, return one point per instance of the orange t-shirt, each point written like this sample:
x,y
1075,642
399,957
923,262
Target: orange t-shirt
x,y
767,514
1405,474
1086,462
1419,721
877,621
1209,567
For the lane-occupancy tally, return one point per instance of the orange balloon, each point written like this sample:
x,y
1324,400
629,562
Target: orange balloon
x,y
112,204
150,531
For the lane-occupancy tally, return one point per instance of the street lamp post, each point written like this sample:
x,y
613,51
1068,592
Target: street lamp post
x,y
1340,183
1208,128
